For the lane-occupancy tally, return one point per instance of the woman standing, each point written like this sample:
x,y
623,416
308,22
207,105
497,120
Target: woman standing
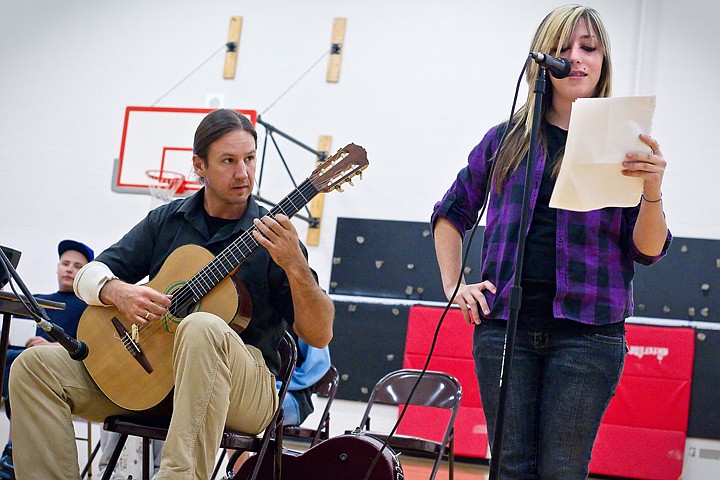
x,y
577,270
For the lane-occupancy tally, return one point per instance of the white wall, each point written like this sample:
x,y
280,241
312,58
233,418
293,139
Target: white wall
x,y
420,83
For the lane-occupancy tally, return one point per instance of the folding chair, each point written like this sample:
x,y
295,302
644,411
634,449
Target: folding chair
x,y
154,428
436,389
326,387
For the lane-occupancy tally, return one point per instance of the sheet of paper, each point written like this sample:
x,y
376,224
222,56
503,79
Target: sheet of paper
x,y
601,132
21,329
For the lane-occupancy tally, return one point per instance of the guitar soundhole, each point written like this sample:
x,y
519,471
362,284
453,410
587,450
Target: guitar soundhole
x,y
182,310
183,302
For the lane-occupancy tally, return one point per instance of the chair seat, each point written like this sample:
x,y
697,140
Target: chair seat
x,y
299,432
240,441
155,429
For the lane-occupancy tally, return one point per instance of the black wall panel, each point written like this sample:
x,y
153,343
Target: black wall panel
x,y
369,342
394,259
704,420
391,259
685,285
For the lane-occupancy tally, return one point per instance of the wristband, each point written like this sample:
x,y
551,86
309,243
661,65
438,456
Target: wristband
x,y
651,201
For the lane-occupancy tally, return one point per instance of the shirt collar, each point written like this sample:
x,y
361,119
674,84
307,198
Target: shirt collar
x,y
192,210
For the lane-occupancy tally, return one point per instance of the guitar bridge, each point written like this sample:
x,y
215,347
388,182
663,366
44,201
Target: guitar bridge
x,y
131,345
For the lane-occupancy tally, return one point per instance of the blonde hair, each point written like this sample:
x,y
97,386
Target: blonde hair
x,y
553,32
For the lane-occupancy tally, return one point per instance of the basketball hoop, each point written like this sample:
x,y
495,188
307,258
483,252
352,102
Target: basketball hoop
x,y
163,185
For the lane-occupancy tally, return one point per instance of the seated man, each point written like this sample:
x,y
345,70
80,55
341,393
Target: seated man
x,y
73,256
219,377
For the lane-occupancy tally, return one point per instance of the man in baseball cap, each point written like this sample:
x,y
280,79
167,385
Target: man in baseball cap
x,y
73,256
86,251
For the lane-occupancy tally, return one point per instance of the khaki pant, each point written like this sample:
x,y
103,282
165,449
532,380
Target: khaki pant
x,y
212,366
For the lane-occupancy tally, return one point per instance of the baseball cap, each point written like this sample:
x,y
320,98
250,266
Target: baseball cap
x,y
66,245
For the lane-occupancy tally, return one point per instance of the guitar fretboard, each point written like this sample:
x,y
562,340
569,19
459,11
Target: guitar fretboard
x,y
240,249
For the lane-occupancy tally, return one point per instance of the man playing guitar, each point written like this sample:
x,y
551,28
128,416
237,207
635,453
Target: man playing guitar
x,y
220,378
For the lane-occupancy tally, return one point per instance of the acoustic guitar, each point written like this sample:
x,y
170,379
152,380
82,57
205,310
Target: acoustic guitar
x,y
133,366
345,457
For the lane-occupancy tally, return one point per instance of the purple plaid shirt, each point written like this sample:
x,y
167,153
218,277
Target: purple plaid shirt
x,y
594,250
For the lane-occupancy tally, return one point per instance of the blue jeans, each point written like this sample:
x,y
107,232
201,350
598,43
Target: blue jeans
x,y
292,410
559,389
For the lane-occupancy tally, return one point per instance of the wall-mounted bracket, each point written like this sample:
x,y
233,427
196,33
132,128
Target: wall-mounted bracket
x,y
336,47
317,203
233,45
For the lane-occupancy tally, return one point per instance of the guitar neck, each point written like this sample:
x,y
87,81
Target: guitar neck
x,y
240,249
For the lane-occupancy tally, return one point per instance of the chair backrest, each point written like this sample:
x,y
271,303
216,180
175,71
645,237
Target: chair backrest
x,y
288,358
436,389
327,386
273,432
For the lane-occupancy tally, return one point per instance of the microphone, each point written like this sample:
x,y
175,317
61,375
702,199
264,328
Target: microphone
x,y
77,349
559,67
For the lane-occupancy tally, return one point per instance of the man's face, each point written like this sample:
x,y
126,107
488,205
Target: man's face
x,y
70,262
229,173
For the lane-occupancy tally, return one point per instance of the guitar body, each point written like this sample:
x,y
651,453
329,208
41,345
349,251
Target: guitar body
x,y
116,371
345,457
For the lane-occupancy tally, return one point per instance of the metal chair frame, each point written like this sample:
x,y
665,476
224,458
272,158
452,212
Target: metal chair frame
x,y
153,428
326,387
436,389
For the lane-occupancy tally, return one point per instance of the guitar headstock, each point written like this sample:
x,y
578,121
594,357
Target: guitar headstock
x,y
348,162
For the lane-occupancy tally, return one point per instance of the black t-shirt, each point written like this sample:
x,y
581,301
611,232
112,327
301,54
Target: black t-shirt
x,y
538,277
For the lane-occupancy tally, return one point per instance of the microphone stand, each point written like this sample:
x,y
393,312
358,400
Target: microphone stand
x,y
516,289
78,350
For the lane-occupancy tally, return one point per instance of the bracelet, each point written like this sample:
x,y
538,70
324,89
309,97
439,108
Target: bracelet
x,y
642,195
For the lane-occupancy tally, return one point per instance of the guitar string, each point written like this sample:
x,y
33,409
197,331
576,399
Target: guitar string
x,y
213,268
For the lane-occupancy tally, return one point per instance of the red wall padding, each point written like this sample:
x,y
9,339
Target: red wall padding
x,y
644,453
453,355
643,432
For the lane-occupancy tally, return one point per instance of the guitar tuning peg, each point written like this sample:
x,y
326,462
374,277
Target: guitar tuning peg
x,y
339,188
360,174
349,180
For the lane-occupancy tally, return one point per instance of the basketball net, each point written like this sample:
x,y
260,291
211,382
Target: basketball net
x,y
163,185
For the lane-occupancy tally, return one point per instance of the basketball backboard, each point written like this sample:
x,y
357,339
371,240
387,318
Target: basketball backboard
x,y
158,139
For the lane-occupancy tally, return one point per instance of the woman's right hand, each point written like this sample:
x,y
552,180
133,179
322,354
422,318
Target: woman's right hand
x,y
471,299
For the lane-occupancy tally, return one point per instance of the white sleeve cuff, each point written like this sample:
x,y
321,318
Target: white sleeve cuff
x,y
90,279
